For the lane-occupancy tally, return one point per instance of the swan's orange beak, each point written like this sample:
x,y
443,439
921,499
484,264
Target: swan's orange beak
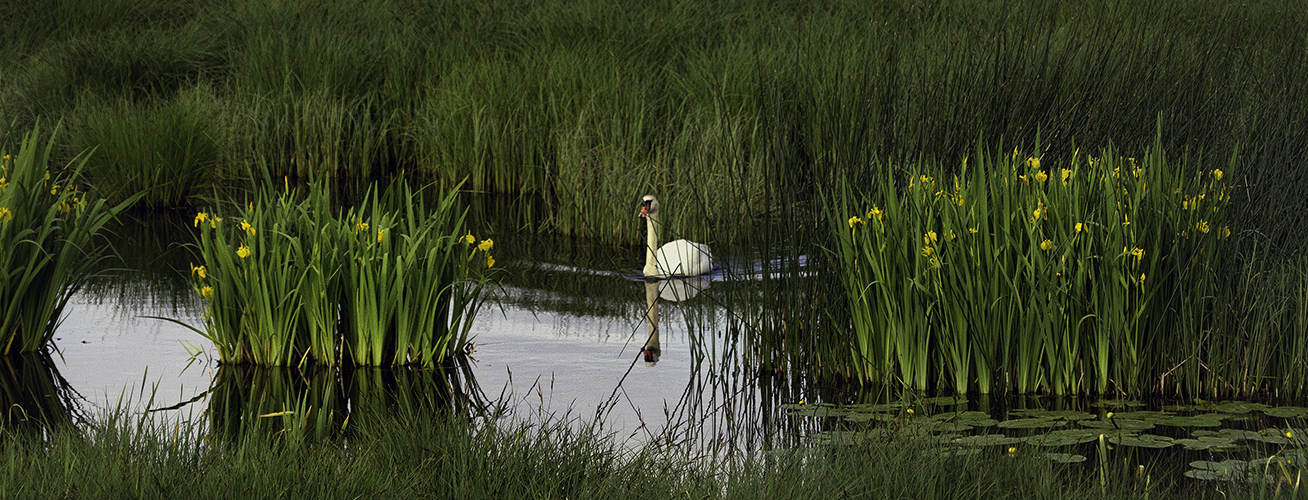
x,y
644,209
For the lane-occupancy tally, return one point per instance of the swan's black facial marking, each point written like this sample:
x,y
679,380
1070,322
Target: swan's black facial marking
x,y
647,205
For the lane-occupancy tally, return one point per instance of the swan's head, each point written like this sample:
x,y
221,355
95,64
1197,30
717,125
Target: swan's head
x,y
649,205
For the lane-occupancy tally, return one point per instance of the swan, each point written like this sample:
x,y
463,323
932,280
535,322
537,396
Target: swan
x,y
678,258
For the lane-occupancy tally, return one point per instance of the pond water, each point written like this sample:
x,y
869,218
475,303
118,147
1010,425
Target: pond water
x,y
565,335
568,336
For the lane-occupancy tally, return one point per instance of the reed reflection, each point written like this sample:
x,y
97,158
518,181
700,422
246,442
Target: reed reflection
x,y
316,403
34,395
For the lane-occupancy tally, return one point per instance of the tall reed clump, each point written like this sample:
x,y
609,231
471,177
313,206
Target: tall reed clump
x,y
47,250
286,281
1080,277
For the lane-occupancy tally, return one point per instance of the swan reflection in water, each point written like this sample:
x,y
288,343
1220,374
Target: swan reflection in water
x,y
671,290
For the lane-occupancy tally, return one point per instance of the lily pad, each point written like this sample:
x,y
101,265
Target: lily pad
x,y
1226,470
1065,458
1287,412
1208,443
1116,403
1064,437
1031,423
1192,421
961,416
987,440
1239,407
1056,414
947,401
1126,424
1142,440
1147,416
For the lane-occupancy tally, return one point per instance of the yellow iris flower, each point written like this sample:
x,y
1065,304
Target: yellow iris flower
x,y
206,292
243,251
486,245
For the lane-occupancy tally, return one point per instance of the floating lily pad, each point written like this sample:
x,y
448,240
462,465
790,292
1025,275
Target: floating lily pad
x,y
1116,403
987,440
1192,421
952,427
947,401
1031,423
1207,443
1065,458
1126,424
1238,407
1226,470
1064,437
1147,416
1142,440
1287,412
961,416
871,417
1055,414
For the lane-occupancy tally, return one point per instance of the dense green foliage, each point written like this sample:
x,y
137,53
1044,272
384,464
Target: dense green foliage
x,y
289,278
590,104
48,227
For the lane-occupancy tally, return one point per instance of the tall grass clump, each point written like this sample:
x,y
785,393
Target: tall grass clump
x,y
169,149
1015,275
48,247
285,280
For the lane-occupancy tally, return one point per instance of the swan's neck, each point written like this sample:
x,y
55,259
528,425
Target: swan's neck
x,y
651,244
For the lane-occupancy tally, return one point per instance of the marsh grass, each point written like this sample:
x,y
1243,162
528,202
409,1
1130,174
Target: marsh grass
x,y
588,105
48,228
1021,275
287,281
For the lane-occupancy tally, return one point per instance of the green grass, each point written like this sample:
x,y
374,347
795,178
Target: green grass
x,y
457,457
48,247
290,279
588,105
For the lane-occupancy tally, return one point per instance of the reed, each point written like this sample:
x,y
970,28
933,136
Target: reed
x,y
48,247
286,281
1027,276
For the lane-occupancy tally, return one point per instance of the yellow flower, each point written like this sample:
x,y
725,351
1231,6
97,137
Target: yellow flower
x,y
245,225
486,245
1034,163
1108,416
243,251
929,238
1142,278
361,227
206,292
1037,213
200,271
951,234
6,214
1202,226
926,251
1225,233
1066,174
469,239
1138,253
1040,176
380,233
490,261
1126,220
1046,245
875,212
854,220
1080,227
1289,434
972,230
1012,450
1217,174
910,411
200,217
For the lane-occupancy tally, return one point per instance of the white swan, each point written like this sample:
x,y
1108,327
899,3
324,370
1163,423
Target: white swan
x,y
678,258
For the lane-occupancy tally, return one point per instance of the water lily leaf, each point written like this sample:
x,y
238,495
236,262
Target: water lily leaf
x,y
1142,440
1238,407
1031,423
1116,403
987,440
871,417
1126,424
1065,458
1192,421
1226,470
947,401
1287,412
1206,443
1064,437
1057,414
962,416
1147,416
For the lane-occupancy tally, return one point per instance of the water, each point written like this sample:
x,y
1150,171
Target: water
x,y
565,336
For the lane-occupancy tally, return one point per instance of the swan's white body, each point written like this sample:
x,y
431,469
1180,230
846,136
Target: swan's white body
x,y
678,258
